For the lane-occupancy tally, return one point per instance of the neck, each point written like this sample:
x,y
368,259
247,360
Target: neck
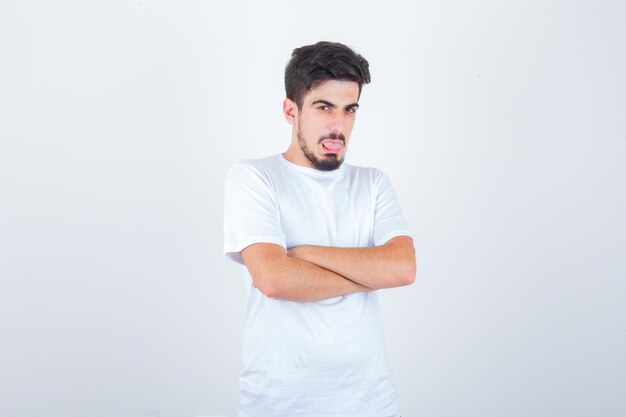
x,y
294,154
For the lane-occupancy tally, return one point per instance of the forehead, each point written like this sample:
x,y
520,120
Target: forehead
x,y
334,91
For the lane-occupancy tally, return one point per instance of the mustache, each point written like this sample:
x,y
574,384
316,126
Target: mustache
x,y
335,136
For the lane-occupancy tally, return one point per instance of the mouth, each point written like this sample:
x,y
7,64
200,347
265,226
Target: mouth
x,y
332,146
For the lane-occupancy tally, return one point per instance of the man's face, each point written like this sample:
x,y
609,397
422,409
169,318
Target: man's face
x,y
325,121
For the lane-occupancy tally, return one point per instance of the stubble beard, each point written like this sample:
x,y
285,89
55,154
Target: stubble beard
x,y
330,163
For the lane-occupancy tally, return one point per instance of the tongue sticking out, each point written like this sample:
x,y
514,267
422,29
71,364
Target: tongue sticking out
x,y
332,145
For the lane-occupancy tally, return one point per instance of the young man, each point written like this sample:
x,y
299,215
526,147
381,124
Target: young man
x,y
318,237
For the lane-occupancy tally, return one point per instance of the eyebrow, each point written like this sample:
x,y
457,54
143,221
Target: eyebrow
x,y
333,106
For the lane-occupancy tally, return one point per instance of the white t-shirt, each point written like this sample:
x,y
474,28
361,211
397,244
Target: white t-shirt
x,y
323,358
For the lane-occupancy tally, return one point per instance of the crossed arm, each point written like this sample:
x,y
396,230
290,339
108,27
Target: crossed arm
x,y
311,273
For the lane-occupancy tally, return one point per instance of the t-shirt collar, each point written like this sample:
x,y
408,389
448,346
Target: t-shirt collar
x,y
309,170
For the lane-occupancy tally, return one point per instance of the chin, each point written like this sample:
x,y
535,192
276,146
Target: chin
x,y
332,155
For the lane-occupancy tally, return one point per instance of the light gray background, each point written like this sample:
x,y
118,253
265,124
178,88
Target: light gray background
x,y
501,124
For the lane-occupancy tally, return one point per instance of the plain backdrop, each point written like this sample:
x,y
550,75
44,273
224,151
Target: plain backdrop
x,y
502,126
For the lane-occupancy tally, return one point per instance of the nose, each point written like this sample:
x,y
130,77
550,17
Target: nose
x,y
337,122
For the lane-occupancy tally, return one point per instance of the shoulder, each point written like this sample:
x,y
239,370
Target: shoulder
x,y
258,164
259,168
371,174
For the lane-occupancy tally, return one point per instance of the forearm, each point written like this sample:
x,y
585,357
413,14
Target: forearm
x,y
300,280
376,267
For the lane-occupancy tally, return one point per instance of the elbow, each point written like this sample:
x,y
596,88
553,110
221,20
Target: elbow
x,y
407,278
270,292
266,285
265,263
407,273
405,265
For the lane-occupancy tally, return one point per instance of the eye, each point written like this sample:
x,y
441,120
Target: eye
x,y
351,109
323,107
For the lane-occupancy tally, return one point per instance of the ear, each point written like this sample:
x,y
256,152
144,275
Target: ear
x,y
290,110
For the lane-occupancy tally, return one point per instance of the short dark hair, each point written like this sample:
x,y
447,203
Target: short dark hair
x,y
311,65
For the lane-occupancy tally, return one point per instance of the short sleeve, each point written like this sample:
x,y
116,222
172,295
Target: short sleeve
x,y
388,219
250,211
